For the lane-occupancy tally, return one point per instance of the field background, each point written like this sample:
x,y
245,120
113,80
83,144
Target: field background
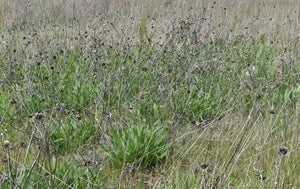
x,y
118,20
150,94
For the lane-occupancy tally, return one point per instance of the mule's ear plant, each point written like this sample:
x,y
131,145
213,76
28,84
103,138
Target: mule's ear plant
x,y
141,144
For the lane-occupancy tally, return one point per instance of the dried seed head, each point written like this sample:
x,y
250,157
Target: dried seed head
x,y
262,177
6,144
78,117
4,177
39,116
204,166
59,107
23,145
30,118
88,163
282,151
46,175
13,101
4,159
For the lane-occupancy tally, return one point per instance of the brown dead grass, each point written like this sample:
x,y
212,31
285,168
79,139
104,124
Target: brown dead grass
x,y
278,20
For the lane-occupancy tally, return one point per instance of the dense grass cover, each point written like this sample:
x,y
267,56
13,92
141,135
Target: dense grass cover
x,y
82,109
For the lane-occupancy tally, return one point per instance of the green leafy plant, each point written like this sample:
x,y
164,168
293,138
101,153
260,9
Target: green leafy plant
x,y
141,144
71,134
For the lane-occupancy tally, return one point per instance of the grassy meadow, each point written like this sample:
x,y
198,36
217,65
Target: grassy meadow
x,y
149,94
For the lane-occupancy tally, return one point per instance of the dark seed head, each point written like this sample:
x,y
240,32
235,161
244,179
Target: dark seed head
x,y
282,151
59,107
6,144
144,69
88,163
46,175
78,117
4,159
23,145
39,116
272,111
204,166
13,101
261,177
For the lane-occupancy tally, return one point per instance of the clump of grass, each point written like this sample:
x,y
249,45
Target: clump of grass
x,y
141,145
69,135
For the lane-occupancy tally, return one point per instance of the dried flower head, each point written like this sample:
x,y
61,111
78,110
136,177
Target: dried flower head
x,y
4,177
262,177
204,166
282,151
46,175
272,111
13,101
6,144
59,107
23,145
78,117
4,159
38,116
